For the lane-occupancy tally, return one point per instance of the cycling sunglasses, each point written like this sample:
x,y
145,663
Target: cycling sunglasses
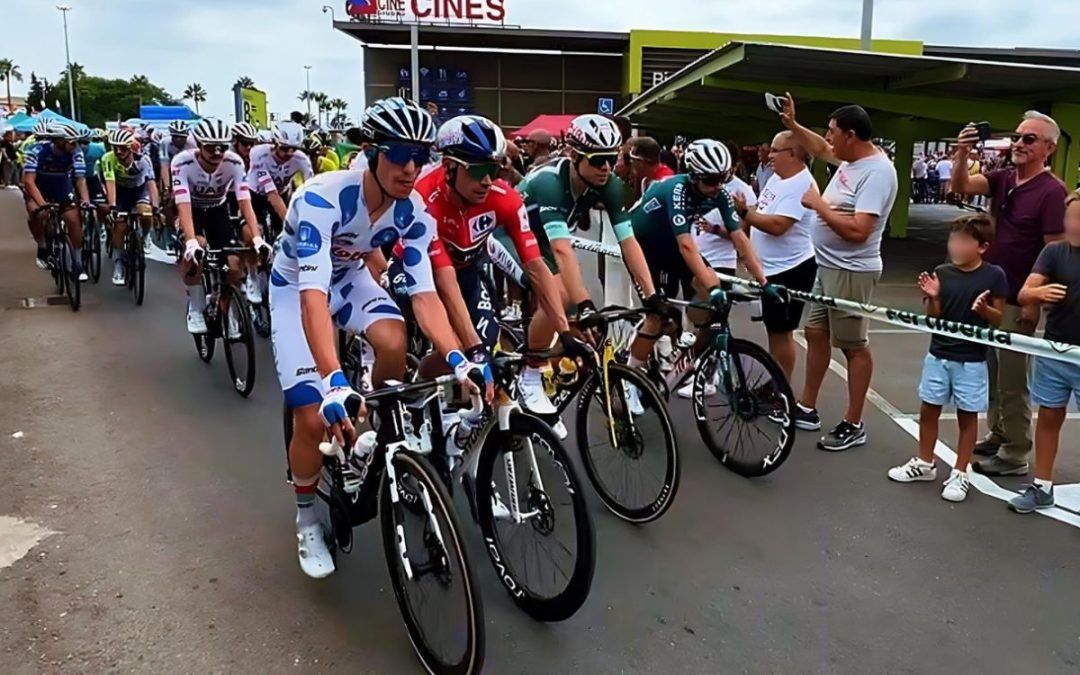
x,y
246,144
480,170
599,159
711,180
402,153
214,147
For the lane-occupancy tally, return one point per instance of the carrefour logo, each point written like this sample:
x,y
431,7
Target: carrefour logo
x,y
481,224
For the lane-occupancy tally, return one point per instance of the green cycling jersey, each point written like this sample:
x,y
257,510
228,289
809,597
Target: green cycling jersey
x,y
671,207
127,177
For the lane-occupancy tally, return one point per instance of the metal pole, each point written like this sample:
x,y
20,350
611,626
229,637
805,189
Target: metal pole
x,y
414,36
867,25
64,9
307,73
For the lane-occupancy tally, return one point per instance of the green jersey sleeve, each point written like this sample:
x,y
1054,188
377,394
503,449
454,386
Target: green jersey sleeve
x,y
108,166
726,207
543,194
613,199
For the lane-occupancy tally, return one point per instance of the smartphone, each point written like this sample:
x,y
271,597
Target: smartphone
x,y
984,131
775,103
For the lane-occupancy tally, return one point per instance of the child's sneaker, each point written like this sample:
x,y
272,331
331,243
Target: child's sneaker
x,y
956,487
914,470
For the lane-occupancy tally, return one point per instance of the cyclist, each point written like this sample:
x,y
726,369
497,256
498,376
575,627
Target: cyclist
x,y
244,138
93,147
179,140
556,196
663,221
319,280
129,187
55,172
200,180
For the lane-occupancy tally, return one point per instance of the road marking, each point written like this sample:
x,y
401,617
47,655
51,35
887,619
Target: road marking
x,y
17,537
982,416
946,454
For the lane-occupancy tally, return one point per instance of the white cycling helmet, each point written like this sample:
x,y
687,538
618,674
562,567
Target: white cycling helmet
x,y
121,137
65,132
212,131
593,133
707,157
178,128
245,130
42,128
264,136
397,119
289,134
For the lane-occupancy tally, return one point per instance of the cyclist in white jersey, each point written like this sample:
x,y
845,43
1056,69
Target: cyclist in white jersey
x,y
201,179
320,280
272,169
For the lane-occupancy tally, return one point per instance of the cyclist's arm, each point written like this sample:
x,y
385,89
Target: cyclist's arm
x,y
515,221
428,308
277,203
110,192
319,330
243,200
155,198
569,270
30,183
79,171
634,258
547,293
182,199
749,257
456,309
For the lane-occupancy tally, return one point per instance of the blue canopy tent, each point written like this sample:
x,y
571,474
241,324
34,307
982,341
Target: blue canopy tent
x,y
13,121
27,125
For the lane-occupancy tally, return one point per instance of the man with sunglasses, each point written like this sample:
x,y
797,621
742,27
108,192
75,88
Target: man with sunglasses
x,y
129,187
201,180
54,173
556,196
1028,204
244,138
320,282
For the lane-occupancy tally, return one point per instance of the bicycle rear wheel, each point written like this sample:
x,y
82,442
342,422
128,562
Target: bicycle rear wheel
x,y
433,581
637,475
751,431
546,561
239,347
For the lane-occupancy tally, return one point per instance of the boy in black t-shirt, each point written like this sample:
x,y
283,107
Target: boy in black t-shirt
x,y
1054,281
970,291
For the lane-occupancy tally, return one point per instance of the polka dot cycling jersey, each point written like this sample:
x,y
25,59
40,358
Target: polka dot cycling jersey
x,y
328,232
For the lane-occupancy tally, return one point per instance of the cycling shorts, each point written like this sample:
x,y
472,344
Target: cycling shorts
x,y
356,302
128,198
214,224
56,190
266,216
95,189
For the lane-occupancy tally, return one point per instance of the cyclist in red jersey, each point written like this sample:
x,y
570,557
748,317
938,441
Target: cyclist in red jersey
x,y
469,204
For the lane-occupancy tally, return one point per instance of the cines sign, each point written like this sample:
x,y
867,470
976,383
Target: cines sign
x,y
429,10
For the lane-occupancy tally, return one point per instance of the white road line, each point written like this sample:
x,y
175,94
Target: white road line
x,y
982,416
17,537
946,454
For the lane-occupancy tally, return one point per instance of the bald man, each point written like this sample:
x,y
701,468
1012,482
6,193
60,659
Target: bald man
x,y
538,146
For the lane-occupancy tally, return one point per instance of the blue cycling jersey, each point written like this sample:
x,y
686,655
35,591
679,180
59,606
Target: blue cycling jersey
x,y
46,160
93,153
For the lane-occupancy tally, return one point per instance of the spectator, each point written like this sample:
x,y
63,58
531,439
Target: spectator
x,y
918,174
781,236
1054,281
9,153
672,159
1028,205
764,171
966,290
851,217
645,164
944,172
537,147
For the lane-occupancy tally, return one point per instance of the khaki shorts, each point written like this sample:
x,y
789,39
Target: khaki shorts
x,y
847,331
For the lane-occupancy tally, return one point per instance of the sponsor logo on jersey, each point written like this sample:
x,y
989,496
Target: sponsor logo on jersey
x,y
308,240
546,209
481,224
652,205
679,220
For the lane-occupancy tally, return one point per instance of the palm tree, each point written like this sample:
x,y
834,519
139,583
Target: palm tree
x,y
245,82
140,81
306,97
8,72
196,93
321,100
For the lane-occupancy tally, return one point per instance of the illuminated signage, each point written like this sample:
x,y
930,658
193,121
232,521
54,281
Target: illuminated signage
x,y
429,10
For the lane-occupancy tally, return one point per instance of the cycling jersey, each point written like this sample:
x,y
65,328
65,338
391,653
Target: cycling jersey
x,y
47,161
132,176
194,185
93,153
170,151
554,211
268,175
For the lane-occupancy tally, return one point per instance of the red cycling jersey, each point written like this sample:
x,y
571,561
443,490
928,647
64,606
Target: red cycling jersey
x,y
462,234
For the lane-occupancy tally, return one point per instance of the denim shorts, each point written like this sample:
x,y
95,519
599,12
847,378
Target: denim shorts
x,y
965,384
1053,381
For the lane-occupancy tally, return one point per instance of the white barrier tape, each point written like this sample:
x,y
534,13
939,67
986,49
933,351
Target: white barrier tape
x,y
991,337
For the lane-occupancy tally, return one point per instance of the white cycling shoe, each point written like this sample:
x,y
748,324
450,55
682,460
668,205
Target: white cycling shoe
x,y
252,290
118,276
633,399
196,322
535,399
312,551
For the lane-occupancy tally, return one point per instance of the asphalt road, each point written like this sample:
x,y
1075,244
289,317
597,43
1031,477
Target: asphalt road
x,y
172,547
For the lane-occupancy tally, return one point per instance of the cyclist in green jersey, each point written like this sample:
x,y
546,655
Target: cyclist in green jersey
x,y
556,196
129,187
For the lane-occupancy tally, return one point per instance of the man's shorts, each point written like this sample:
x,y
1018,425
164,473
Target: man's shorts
x,y
56,190
785,317
847,331
214,224
1053,382
965,384
128,198
356,302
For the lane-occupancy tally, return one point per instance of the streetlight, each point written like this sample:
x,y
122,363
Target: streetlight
x,y
307,72
64,9
325,9
867,25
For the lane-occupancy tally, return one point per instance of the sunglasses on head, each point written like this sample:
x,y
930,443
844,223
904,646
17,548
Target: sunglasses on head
x,y
402,153
600,159
1026,139
214,148
711,180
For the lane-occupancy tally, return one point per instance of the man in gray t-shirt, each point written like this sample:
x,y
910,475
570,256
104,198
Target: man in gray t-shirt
x,y
851,217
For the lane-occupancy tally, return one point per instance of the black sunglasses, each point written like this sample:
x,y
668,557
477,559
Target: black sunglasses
x,y
1026,139
246,144
711,180
214,147
600,159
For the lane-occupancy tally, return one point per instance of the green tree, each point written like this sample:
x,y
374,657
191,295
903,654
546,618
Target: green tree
x,y
196,94
321,101
38,94
101,99
245,82
8,72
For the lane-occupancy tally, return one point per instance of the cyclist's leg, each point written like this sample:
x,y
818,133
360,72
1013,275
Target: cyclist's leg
x,y
73,220
359,305
666,278
35,221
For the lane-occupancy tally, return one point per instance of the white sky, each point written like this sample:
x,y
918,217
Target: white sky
x,y
215,41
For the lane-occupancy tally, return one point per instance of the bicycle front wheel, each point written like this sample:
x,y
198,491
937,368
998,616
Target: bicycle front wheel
x,y
239,339
72,286
92,248
543,546
136,269
433,582
628,446
752,429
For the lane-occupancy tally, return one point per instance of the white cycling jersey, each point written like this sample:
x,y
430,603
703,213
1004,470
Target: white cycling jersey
x,y
194,185
170,151
268,175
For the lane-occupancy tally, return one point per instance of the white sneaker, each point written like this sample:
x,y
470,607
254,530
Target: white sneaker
x,y
687,391
83,276
311,549
118,274
196,322
251,290
633,399
914,470
956,487
41,264
534,398
233,327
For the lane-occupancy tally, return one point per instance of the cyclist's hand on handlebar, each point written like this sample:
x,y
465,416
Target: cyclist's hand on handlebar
x,y
479,357
85,206
192,250
338,398
574,348
262,249
775,292
717,296
585,311
465,371
658,305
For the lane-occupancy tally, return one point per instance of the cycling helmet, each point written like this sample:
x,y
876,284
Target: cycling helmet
x,y
396,119
471,138
86,134
264,136
289,134
43,128
593,133
121,137
100,135
178,128
245,130
312,142
707,157
211,130
64,131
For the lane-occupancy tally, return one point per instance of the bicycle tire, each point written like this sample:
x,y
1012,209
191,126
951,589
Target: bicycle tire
x,y
92,248
72,285
538,605
136,269
629,441
471,660
204,346
241,374
781,396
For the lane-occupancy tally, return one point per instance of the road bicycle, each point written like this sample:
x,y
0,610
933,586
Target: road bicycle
x,y
133,255
62,262
91,253
228,318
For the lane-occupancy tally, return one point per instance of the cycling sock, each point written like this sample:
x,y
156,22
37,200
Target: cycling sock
x,y
531,375
305,505
635,362
196,299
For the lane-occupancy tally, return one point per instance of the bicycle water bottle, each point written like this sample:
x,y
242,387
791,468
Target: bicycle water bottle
x,y
355,470
756,312
567,372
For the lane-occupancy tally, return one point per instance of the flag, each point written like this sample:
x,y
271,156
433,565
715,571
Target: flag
x,y
361,7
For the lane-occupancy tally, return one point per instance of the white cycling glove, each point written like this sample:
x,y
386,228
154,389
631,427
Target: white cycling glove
x,y
191,247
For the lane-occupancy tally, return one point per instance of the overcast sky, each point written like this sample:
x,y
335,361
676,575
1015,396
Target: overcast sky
x,y
215,41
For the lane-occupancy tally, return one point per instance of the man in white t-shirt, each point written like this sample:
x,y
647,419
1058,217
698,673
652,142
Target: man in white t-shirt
x,y
851,217
717,249
944,173
781,236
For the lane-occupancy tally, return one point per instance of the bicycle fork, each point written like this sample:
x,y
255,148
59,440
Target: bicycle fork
x,y
396,503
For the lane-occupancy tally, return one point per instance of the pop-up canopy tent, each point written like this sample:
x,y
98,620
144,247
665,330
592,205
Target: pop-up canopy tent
x,y
165,113
27,124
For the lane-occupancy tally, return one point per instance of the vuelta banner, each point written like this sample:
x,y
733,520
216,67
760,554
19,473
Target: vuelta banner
x,y
991,337
251,107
